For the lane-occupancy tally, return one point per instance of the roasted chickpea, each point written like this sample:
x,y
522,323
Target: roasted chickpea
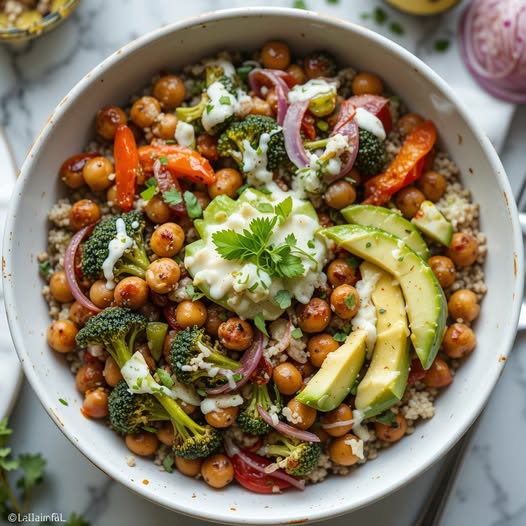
x,y
165,125
96,173
228,182
340,194
190,468
438,375
217,471
71,169
202,199
170,91
167,343
162,275
59,288
222,417
108,119
167,240
213,320
463,304
314,316
157,210
319,64
111,195
306,369
165,434
206,145
341,272
297,73
61,336
235,334
142,444
78,314
146,354
345,301
433,184
287,378
444,270
365,82
459,341
112,372
319,346
463,249
408,201
101,295
131,292
82,213
337,422
275,55
95,404
306,415
341,450
392,432
89,376
409,122
189,313
144,111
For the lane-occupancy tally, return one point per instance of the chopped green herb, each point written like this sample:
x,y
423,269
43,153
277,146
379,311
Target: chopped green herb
x,y
243,71
311,244
323,295
209,108
169,141
265,208
382,311
368,244
380,16
283,299
322,125
163,160
151,189
165,378
172,197
333,1
63,402
168,463
297,333
386,418
194,294
340,337
334,215
283,209
45,268
441,45
225,99
396,28
352,262
299,4
350,301
193,206
259,322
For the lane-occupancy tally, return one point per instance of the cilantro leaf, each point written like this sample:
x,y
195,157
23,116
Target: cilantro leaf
x,y
350,300
193,206
194,294
283,299
230,245
45,268
172,197
33,469
340,337
150,190
259,322
165,378
292,266
7,462
283,209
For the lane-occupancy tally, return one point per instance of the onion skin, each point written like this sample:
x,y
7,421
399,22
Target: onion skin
x,y
69,268
287,429
493,46
258,78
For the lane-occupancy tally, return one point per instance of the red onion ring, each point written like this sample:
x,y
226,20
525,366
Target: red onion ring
x,y
493,46
69,268
287,429
346,126
232,450
292,134
249,362
257,78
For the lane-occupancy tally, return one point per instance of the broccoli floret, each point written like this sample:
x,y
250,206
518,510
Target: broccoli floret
x,y
192,358
116,329
371,154
295,456
192,114
133,262
249,419
233,141
129,413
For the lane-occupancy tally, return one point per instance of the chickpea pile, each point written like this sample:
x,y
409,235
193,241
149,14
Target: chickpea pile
x,y
165,292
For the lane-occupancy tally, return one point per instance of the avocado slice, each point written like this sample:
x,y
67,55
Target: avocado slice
x,y
334,379
426,304
390,221
430,220
384,383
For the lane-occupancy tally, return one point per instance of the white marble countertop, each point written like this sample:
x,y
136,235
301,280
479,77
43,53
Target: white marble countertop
x,y
34,78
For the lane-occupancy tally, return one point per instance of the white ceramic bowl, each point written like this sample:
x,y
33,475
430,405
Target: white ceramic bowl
x,y
69,129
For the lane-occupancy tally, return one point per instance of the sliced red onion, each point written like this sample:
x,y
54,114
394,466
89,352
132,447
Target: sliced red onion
x,y
287,429
258,78
335,425
292,134
346,126
232,450
69,268
493,46
249,362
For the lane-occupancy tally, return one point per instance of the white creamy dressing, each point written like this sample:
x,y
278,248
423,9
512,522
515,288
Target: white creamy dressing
x,y
311,89
234,282
221,106
360,431
184,134
220,402
116,249
137,375
365,319
356,447
255,161
370,122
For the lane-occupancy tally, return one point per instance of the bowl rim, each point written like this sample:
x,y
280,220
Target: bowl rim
x,y
307,16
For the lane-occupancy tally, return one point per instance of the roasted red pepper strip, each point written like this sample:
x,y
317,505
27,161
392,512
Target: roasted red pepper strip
x,y
308,126
180,161
126,166
375,104
405,168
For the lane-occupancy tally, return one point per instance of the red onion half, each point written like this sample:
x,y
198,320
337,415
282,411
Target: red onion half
x,y
258,78
493,46
287,429
69,268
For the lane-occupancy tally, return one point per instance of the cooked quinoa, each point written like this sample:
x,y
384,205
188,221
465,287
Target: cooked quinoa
x,y
288,340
